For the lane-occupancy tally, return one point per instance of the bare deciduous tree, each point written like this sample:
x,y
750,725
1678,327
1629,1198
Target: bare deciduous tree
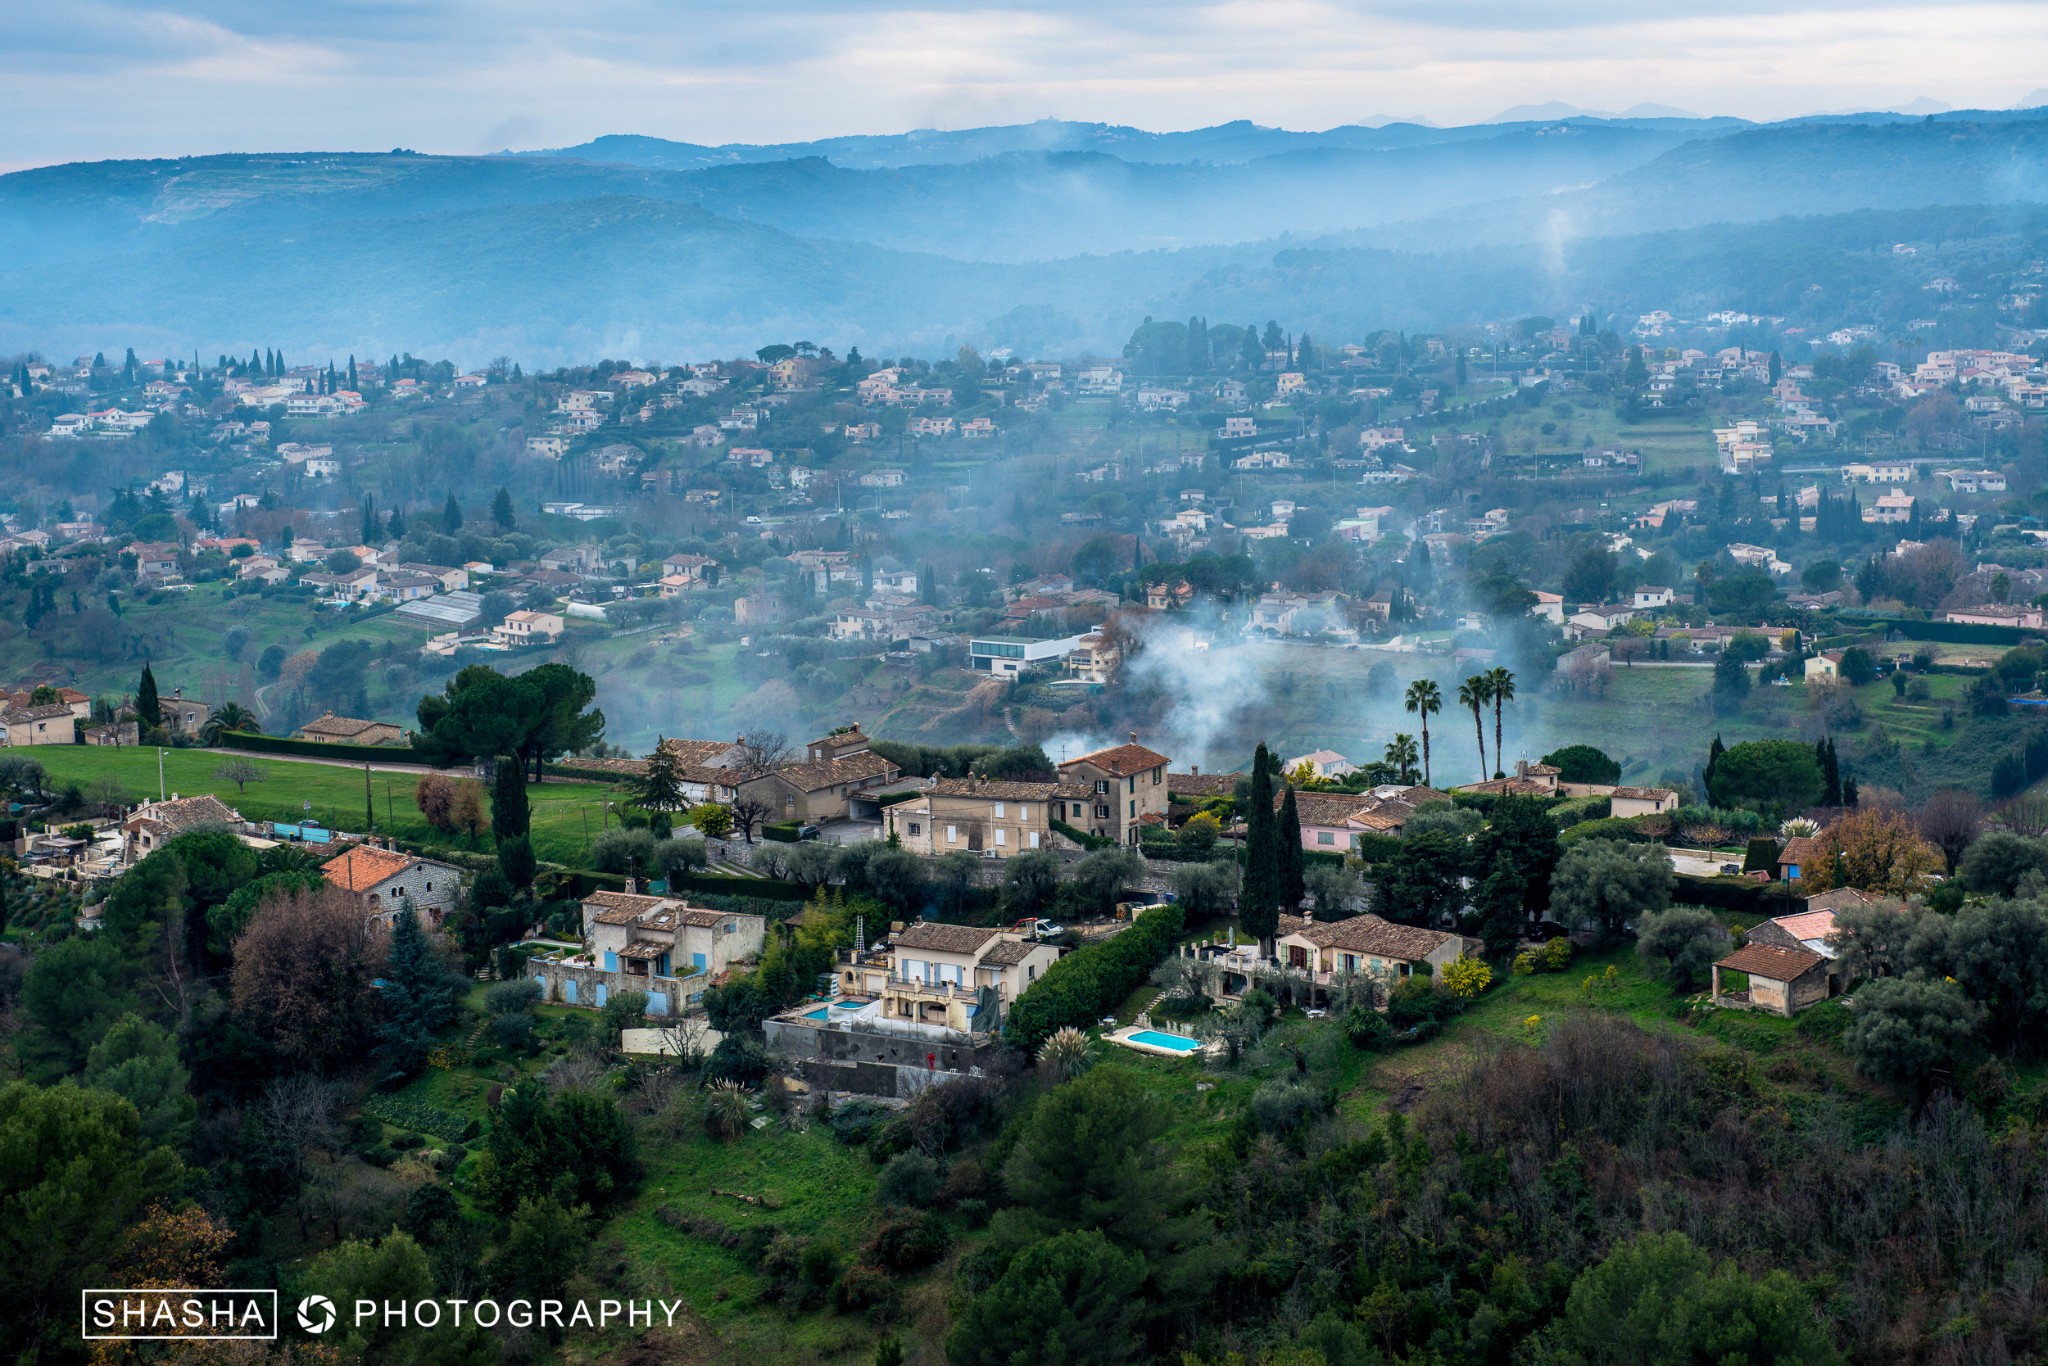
x,y
305,973
1950,820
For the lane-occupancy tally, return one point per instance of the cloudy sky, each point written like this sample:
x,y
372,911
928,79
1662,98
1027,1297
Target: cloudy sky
x,y
89,79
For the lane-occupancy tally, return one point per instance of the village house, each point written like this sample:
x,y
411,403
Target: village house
x,y
1322,763
329,729
1362,946
53,723
980,815
384,881
153,824
184,715
927,1008
660,945
1125,787
938,974
836,780
526,627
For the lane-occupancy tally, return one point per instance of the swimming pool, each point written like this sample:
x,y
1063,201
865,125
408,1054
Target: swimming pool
x,y
1158,1042
821,1013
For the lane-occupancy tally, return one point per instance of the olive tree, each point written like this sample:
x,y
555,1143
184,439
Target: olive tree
x,y
1601,885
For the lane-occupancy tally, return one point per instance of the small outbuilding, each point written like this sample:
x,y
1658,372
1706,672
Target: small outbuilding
x,y
1782,981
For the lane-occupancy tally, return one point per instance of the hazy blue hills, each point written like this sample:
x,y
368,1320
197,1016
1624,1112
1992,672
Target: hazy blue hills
x,y
1240,140
559,257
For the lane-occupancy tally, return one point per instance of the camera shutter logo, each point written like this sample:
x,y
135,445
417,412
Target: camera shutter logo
x,y
316,1313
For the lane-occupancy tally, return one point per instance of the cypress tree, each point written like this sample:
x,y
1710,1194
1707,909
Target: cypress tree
x,y
451,515
1293,882
352,372
369,519
148,707
1258,907
1714,753
397,531
501,510
510,817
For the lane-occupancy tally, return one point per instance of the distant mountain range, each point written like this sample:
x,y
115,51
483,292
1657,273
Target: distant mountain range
x,y
1042,236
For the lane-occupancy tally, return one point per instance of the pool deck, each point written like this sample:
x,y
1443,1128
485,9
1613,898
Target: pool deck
x,y
1125,1037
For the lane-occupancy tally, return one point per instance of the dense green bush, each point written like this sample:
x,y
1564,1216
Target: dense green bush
x,y
1090,982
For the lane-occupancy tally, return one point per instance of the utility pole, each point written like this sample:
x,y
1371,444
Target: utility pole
x,y
159,775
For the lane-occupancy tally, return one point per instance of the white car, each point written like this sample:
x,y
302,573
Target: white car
x,y
1045,929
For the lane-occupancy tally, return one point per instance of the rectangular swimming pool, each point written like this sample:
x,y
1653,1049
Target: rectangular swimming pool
x,y
1179,1043
821,1013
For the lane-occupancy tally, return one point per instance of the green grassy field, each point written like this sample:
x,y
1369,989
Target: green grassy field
x,y
181,634
560,809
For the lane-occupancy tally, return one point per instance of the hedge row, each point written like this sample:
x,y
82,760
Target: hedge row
x,y
585,775
277,744
1082,837
767,888
1764,900
782,832
1484,802
1092,981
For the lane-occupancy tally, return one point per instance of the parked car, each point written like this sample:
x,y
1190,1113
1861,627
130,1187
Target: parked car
x,y
808,832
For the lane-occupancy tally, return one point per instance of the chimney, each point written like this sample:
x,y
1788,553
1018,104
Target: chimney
x,y
1195,769
1134,737
632,886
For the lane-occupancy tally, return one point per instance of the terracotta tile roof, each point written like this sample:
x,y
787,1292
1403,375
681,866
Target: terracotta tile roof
x,y
1643,794
1840,899
1201,784
1121,761
188,813
1807,924
1329,808
705,919
1804,850
1510,787
926,934
361,868
1771,962
645,948
344,726
1008,954
620,908
698,751
995,791
1370,934
853,768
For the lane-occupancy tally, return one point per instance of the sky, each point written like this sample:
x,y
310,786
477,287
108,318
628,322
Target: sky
x,y
97,79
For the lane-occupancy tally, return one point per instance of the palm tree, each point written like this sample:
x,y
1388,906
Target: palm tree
x,y
1401,755
1500,683
1475,692
1425,699
228,716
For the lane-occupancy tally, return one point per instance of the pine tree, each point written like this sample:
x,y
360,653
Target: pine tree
x,y
501,509
451,515
418,995
661,785
1258,906
1293,880
149,708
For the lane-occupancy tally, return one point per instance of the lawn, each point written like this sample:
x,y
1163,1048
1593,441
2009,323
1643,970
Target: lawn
x,y
294,789
180,632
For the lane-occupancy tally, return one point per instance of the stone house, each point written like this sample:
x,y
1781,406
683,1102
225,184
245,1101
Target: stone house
x,y
1783,981
980,815
384,880
151,825
1126,787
